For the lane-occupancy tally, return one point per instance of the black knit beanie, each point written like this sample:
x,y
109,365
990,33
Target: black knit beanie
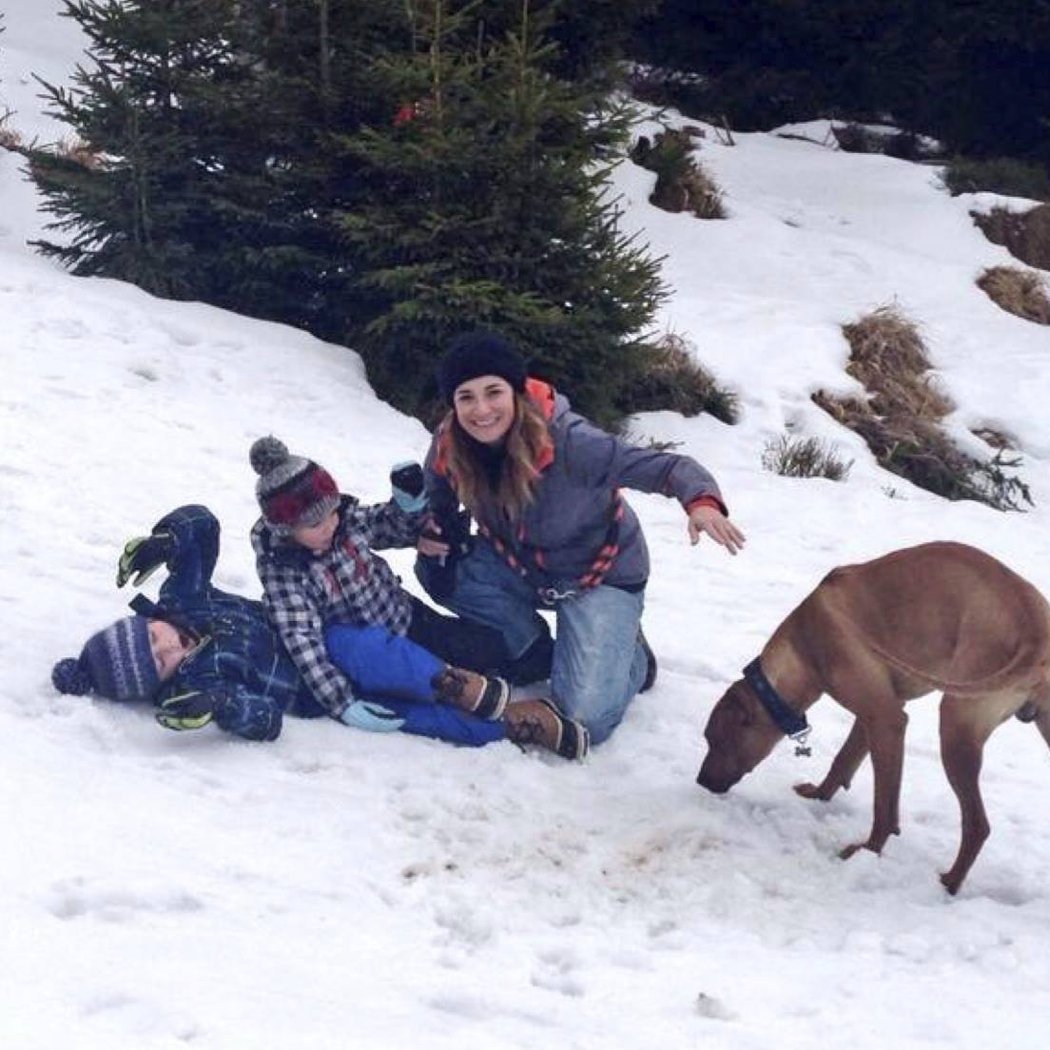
x,y
477,354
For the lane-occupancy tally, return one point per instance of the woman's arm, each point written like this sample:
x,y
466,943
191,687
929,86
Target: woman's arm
x,y
603,459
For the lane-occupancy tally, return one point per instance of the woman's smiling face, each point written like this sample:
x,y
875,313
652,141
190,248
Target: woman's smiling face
x,y
484,408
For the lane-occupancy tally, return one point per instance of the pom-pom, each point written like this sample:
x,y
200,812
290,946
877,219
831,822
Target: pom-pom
x,y
68,676
266,454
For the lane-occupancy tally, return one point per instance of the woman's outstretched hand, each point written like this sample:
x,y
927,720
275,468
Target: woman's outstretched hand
x,y
712,521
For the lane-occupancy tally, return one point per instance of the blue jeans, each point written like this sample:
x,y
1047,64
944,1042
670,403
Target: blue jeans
x,y
599,664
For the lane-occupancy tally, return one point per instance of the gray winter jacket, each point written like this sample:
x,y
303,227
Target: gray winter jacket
x,y
568,523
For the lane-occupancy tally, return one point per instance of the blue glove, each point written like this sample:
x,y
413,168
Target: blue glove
x,y
410,492
370,716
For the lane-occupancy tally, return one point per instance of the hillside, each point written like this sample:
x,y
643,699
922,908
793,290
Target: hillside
x,y
339,889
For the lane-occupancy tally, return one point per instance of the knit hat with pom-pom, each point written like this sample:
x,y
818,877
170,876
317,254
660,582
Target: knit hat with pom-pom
x,y
291,490
116,663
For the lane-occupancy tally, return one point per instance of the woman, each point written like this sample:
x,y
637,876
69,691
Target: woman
x,y
553,530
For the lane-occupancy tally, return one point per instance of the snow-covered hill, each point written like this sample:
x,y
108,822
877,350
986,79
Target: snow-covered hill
x,y
337,889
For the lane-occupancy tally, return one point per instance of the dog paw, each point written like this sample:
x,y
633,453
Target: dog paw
x,y
807,790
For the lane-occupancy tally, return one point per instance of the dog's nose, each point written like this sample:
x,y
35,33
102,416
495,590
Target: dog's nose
x,y
711,785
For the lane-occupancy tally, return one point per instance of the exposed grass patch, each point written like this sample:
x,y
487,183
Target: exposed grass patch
x,y
681,183
79,152
888,357
1004,175
9,138
670,378
900,418
994,438
72,150
1025,235
893,142
797,457
1020,292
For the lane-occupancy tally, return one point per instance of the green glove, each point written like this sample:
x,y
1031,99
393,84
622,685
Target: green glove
x,y
143,555
186,711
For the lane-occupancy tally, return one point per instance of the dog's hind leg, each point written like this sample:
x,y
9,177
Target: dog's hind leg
x,y
845,764
963,735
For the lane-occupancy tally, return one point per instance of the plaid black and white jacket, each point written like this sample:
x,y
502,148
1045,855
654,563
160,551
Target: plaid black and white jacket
x,y
304,592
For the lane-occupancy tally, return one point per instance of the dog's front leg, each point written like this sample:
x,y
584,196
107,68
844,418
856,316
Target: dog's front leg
x,y
886,738
840,775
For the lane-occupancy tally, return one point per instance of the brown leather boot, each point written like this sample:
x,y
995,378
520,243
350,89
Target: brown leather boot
x,y
469,691
540,722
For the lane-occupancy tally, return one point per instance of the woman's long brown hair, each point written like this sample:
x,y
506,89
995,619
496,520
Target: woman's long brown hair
x,y
518,475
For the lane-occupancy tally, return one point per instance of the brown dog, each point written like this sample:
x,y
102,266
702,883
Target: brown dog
x,y
940,616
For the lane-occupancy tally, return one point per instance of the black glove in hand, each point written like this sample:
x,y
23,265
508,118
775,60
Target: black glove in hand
x,y
143,555
186,711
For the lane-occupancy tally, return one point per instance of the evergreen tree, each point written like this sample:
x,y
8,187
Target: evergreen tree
x,y
139,200
384,172
204,171
974,73
484,203
206,120
988,88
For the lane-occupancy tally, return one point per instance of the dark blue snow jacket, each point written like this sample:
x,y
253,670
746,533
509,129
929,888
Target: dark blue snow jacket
x,y
239,663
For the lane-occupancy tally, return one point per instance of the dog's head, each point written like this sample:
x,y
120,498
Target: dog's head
x,y
739,735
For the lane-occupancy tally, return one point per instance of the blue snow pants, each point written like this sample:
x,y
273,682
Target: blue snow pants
x,y
393,671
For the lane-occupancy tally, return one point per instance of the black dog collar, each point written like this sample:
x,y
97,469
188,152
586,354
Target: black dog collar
x,y
789,722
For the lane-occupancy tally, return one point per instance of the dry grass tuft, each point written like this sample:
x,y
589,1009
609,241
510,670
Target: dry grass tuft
x,y
900,419
796,457
681,183
79,152
888,357
10,139
994,438
671,379
1025,235
859,138
1020,292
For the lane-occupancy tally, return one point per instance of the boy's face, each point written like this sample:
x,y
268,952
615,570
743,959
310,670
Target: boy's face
x,y
168,645
317,538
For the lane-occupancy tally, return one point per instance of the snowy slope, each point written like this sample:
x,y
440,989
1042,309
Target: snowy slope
x,y
337,889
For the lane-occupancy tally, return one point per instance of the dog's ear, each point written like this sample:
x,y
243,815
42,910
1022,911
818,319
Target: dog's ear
x,y
743,706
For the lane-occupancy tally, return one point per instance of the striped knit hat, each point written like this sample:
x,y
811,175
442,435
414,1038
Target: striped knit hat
x,y
116,663
291,490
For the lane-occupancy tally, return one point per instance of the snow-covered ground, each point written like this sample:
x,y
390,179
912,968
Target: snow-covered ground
x,y
340,889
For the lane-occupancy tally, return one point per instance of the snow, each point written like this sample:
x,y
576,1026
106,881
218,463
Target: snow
x,y
341,889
